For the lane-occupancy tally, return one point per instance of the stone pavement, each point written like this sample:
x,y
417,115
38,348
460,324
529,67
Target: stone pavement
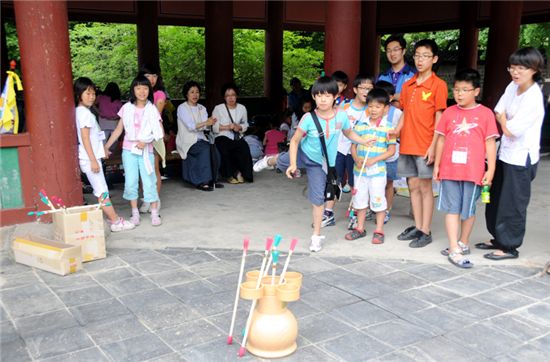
x,y
174,304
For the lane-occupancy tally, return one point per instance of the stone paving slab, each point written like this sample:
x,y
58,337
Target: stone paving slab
x,y
175,304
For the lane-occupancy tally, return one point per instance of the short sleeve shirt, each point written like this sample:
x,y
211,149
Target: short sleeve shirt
x,y
138,116
367,129
86,119
354,114
525,115
393,119
332,128
465,132
420,102
107,108
397,79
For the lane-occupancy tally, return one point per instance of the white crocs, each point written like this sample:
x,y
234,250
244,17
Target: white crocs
x,y
122,225
262,164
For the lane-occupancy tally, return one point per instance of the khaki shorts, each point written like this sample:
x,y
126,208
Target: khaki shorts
x,y
414,166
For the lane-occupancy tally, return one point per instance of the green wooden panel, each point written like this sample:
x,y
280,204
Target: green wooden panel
x,y
11,194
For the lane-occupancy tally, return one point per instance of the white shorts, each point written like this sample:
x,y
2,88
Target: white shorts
x,y
371,189
97,180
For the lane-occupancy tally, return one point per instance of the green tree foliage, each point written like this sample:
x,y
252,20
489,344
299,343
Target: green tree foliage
x,y
181,57
108,52
11,42
248,60
538,36
300,59
104,52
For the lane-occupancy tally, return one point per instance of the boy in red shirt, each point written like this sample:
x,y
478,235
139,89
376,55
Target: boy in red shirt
x,y
467,133
423,98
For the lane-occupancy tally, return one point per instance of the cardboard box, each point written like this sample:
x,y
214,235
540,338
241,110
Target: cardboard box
x,y
47,255
82,225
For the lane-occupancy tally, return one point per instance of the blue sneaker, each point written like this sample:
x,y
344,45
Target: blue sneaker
x,y
352,224
328,219
370,216
346,189
387,217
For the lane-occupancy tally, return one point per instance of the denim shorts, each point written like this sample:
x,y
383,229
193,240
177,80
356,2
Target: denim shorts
x,y
391,170
414,166
458,197
316,177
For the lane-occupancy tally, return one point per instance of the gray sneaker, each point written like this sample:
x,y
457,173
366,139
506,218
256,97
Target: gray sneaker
x,y
421,241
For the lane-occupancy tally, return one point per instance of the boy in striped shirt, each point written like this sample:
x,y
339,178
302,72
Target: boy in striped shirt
x,y
370,178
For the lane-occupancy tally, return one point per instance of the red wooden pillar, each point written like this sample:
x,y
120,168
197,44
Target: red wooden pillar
x,y
147,33
273,78
370,39
469,32
503,41
218,49
42,28
342,37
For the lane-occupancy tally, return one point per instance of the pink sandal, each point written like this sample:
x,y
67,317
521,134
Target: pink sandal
x,y
155,218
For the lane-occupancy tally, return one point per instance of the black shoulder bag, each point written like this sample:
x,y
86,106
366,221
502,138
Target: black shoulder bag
x,y
332,189
236,135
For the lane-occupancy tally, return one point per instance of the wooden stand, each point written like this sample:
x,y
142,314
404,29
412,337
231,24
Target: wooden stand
x,y
274,329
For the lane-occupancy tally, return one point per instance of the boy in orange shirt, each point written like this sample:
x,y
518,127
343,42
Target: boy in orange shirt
x,y
423,99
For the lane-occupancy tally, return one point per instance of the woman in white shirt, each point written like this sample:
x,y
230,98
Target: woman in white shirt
x,y
199,162
520,113
236,162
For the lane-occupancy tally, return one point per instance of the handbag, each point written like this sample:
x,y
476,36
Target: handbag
x,y
332,188
236,135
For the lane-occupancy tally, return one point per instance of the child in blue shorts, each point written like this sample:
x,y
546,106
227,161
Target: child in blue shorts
x,y
306,152
466,134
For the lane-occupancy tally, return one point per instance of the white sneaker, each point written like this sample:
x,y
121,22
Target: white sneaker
x,y
145,207
262,165
315,245
122,225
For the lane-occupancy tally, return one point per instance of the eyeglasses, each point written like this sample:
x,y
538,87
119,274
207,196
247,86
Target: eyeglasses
x,y
151,75
423,56
394,50
517,68
365,89
462,91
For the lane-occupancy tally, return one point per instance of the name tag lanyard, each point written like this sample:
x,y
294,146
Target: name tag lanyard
x,y
460,153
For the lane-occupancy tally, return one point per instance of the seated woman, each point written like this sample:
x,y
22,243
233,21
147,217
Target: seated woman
x,y
108,104
232,122
200,157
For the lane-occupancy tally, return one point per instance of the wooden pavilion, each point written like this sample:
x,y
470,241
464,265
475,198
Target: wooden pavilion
x,y
46,153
